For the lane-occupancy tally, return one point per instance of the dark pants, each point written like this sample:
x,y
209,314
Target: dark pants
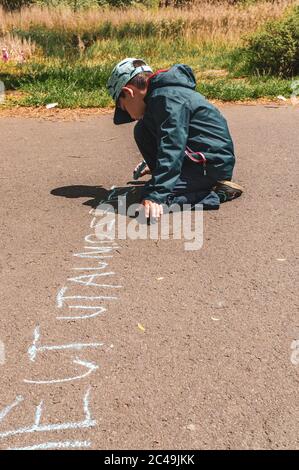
x,y
191,186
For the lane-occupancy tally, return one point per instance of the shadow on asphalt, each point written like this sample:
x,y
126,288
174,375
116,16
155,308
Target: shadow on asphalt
x,y
99,194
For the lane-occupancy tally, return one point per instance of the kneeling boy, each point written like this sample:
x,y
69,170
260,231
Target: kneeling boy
x,y
184,139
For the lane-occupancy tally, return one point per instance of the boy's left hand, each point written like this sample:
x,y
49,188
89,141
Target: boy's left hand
x,y
152,209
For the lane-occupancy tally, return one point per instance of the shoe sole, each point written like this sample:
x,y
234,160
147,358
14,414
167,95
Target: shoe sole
x,y
227,190
230,184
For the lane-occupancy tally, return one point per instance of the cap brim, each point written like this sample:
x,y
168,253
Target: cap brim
x,y
121,117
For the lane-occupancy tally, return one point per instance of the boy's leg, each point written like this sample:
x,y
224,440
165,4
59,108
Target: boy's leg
x,y
195,190
191,187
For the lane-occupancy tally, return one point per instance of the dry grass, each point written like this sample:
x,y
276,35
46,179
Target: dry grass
x,y
215,21
18,47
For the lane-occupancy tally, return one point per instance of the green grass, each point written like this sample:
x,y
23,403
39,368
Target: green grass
x,y
230,89
77,85
82,82
162,53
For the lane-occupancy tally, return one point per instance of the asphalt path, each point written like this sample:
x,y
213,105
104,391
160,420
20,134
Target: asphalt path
x,y
198,348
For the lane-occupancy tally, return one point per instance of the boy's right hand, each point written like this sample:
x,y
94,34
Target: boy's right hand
x,y
145,171
152,209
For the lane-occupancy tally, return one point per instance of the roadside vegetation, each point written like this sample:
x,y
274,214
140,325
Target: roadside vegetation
x,y
64,51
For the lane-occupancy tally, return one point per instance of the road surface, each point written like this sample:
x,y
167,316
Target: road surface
x,y
198,348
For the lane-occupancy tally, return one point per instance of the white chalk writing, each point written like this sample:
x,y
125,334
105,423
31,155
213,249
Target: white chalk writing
x,y
88,365
87,422
35,348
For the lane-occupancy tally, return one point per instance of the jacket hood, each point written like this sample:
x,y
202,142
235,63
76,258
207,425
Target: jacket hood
x,y
178,75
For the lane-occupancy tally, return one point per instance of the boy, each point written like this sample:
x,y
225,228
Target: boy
x,y
183,138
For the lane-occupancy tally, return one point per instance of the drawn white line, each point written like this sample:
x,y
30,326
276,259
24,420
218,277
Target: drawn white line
x,y
55,445
8,408
89,365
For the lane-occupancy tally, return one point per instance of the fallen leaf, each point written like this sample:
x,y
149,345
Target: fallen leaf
x,y
220,304
191,427
140,327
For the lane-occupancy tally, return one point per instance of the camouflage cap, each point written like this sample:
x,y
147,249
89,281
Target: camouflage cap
x,y
122,73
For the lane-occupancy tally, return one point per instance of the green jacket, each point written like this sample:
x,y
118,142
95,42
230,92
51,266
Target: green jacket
x,y
180,117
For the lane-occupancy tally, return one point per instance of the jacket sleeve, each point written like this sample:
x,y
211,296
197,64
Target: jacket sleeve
x,y
171,119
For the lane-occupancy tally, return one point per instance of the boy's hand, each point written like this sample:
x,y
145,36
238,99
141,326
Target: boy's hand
x,y
152,209
144,171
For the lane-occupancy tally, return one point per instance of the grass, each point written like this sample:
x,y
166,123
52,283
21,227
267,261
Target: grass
x,y
70,56
83,85
245,89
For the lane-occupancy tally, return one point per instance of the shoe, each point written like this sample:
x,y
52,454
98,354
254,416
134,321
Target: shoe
x,y
132,195
227,190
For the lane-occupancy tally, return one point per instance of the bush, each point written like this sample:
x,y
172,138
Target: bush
x,y
10,5
74,4
274,50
